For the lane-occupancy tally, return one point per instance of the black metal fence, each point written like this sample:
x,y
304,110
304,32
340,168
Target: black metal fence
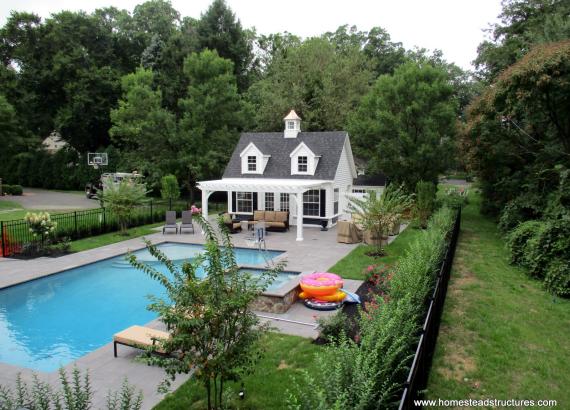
x,y
418,375
16,237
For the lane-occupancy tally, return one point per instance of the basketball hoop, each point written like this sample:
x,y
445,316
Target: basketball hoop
x,y
97,159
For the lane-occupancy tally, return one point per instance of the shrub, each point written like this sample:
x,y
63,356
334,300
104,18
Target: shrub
x,y
425,201
170,188
518,238
332,327
17,190
40,224
6,189
74,394
453,198
557,278
524,208
534,244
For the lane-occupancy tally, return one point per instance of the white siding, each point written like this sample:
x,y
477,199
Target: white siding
x,y
342,180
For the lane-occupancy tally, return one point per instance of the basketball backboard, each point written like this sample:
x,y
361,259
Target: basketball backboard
x,y
97,159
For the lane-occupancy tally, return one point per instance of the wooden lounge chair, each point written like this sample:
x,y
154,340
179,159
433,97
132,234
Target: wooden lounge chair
x,y
170,221
138,336
186,221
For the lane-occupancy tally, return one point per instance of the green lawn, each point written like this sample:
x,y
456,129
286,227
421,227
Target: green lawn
x,y
266,388
502,336
354,264
112,237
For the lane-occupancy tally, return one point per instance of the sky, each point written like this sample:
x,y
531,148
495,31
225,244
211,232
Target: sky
x,y
453,26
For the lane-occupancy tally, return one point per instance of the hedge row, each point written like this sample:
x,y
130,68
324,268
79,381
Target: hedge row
x,y
369,373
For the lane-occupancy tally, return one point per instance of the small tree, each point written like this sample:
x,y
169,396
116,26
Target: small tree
x,y
170,188
212,330
380,213
122,198
425,201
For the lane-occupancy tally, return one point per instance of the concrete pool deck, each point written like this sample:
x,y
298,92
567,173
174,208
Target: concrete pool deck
x,y
318,252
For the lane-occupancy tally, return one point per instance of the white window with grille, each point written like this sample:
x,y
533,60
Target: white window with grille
x,y
312,203
244,202
284,202
269,201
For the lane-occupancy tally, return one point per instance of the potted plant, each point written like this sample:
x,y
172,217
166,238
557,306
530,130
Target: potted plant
x,y
379,214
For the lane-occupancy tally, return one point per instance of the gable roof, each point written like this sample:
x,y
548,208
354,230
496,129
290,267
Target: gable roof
x,y
327,144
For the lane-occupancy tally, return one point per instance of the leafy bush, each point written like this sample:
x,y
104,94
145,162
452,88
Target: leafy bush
x,y
521,209
453,198
425,201
40,224
74,395
17,190
557,278
332,327
518,238
170,188
370,374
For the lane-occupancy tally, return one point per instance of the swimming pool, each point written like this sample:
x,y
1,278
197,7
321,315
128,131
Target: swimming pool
x,y
49,322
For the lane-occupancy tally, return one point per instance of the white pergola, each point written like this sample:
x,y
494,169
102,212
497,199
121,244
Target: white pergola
x,y
294,187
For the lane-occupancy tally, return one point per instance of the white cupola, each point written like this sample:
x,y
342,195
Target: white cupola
x,y
292,125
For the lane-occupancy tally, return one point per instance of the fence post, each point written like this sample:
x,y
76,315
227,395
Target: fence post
x,y
2,238
104,219
75,222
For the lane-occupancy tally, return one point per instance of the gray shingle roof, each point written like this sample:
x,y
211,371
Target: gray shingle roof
x,y
327,144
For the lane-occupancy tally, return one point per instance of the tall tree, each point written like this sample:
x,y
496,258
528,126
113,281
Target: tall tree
x,y
406,124
213,115
220,30
140,125
522,24
322,83
518,131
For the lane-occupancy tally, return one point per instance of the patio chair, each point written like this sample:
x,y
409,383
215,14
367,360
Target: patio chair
x,y
234,226
186,221
139,337
170,221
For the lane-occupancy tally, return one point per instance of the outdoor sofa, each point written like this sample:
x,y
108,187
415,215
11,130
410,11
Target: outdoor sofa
x,y
274,220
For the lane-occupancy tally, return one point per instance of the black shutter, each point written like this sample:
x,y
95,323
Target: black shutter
x,y
233,201
323,203
254,195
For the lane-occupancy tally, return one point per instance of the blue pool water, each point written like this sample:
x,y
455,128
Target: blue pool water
x,y
49,322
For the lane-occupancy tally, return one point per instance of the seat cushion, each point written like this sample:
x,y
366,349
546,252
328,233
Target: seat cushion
x,y
270,216
227,218
259,215
236,225
280,216
276,224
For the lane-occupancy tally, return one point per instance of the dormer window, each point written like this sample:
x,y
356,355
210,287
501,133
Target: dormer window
x,y
302,164
252,163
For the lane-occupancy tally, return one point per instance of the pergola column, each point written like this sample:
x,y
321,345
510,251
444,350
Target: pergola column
x,y
205,195
299,199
